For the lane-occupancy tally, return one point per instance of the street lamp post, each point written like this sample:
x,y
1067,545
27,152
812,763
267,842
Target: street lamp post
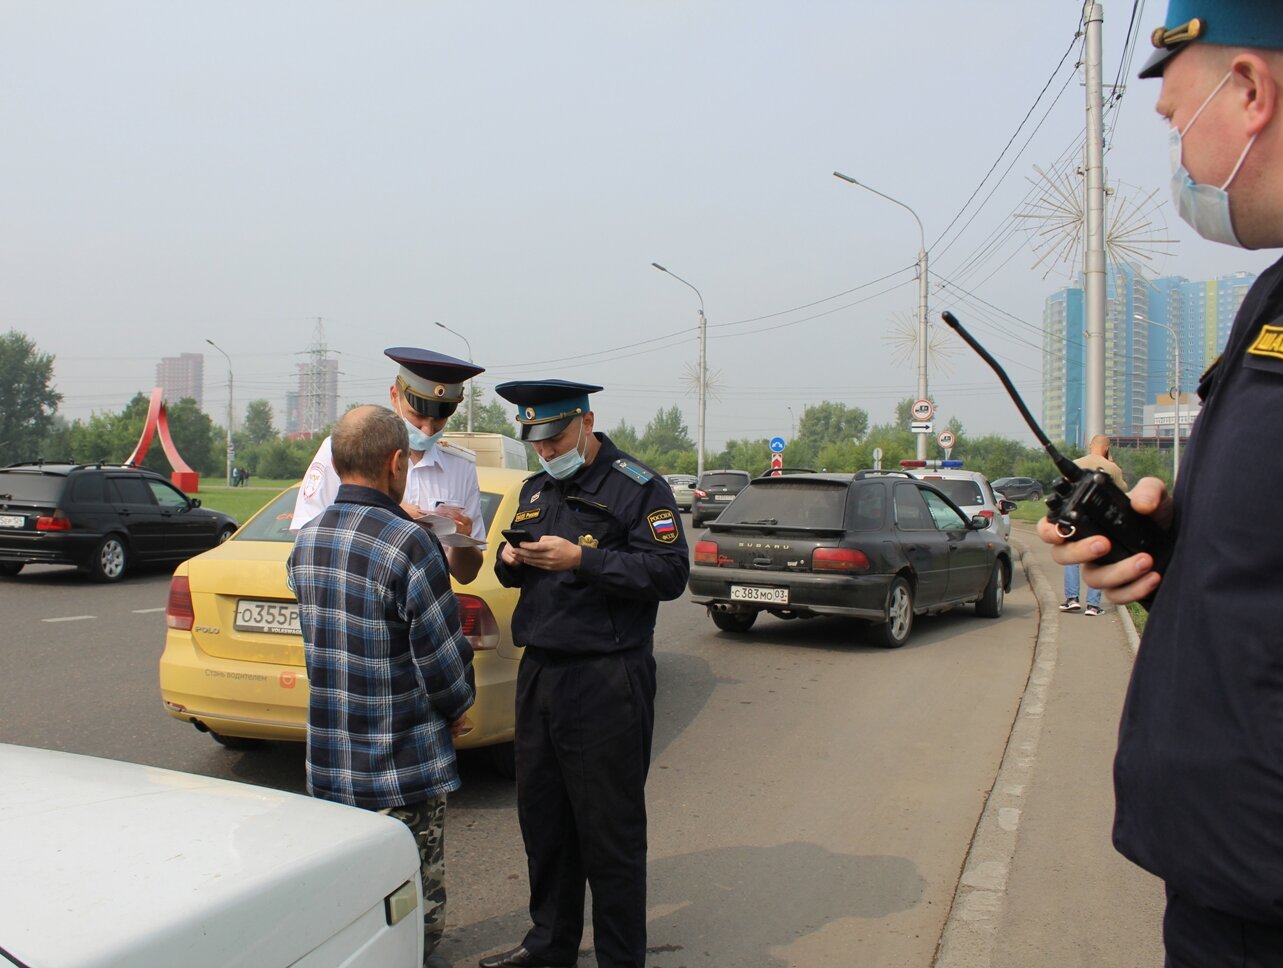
x,y
792,423
1176,389
472,399
703,371
922,299
230,408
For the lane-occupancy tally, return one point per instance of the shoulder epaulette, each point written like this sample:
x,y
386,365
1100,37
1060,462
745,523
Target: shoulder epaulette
x,y
634,472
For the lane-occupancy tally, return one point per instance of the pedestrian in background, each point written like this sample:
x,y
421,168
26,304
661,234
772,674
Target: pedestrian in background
x,y
1198,777
442,480
1096,459
607,548
388,668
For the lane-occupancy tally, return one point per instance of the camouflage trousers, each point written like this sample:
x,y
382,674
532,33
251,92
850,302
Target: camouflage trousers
x,y
427,822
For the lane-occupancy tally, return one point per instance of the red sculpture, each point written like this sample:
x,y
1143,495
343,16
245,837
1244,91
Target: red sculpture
x,y
183,477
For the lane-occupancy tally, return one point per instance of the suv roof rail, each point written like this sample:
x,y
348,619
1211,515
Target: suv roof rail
x,y
779,471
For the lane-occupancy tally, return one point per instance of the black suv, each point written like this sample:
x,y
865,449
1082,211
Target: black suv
x,y
877,546
102,518
1018,488
713,491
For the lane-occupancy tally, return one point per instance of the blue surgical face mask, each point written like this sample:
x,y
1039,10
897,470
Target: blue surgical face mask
x,y
419,441
565,465
1205,207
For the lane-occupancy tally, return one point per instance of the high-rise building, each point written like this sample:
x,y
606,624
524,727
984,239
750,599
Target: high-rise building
x,y
1139,357
182,376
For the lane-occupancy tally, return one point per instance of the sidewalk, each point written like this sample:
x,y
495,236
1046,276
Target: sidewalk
x,y
1042,883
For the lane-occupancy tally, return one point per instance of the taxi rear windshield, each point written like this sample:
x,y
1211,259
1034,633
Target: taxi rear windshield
x,y
788,504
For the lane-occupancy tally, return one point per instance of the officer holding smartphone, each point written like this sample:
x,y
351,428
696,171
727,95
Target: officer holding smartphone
x,y
607,547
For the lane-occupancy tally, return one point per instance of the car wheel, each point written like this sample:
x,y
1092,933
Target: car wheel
x,y
236,742
110,559
894,632
733,621
989,605
225,534
503,759
1037,494
10,568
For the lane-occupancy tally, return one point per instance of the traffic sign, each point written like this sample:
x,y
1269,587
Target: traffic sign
x,y
777,444
923,410
777,462
945,439
921,428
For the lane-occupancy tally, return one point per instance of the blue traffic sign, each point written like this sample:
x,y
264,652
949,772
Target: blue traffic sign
x,y
777,444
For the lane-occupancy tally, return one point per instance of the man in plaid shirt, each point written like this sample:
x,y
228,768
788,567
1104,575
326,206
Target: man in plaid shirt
x,y
390,671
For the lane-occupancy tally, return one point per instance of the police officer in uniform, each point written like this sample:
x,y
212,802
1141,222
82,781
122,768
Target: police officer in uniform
x,y
608,548
1198,776
443,480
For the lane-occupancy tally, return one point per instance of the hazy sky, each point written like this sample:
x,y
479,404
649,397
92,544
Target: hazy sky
x,y
176,171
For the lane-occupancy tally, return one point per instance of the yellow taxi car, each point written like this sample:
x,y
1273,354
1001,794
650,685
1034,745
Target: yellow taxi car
x,y
233,659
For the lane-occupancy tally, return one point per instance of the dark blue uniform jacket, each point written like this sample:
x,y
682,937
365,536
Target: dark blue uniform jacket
x,y
1199,773
634,556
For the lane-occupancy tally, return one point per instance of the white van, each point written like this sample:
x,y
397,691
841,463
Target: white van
x,y
489,450
115,864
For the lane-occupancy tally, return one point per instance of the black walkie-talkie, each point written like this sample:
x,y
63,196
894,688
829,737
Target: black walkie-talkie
x,y
1085,502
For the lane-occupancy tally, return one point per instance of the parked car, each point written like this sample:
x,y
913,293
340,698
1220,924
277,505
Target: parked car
x,y
713,491
970,490
683,486
110,863
233,659
882,547
102,518
1019,488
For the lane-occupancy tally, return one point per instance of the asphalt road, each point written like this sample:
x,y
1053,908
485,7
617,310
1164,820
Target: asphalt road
x,y
812,798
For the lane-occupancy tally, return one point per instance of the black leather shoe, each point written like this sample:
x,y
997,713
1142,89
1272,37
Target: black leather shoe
x,y
518,957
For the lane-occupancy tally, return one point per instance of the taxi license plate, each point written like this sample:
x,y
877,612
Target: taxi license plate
x,y
12,520
754,593
275,618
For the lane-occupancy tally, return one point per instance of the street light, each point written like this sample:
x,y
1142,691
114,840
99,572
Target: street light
x,y
471,395
703,370
230,409
1176,388
922,299
792,423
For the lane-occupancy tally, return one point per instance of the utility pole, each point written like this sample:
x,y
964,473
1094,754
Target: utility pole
x,y
1094,283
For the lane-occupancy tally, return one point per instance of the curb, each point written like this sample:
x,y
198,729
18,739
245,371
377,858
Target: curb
x,y
980,900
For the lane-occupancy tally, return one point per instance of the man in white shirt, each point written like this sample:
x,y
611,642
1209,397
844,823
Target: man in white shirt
x,y
442,480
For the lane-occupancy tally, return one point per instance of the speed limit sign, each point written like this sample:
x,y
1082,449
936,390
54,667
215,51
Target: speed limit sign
x,y
945,440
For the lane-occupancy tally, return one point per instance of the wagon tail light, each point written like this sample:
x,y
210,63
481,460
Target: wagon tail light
x,y
698,493
53,522
478,623
839,559
706,552
179,613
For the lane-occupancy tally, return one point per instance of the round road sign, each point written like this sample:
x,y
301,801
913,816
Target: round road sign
x,y
777,444
923,410
945,439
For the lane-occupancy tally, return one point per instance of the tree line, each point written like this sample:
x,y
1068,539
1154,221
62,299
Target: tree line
x,y
831,436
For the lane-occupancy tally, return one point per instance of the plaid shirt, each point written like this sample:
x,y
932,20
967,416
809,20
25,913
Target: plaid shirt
x,y
389,668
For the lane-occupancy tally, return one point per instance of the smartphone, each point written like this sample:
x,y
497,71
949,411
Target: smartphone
x,y
515,536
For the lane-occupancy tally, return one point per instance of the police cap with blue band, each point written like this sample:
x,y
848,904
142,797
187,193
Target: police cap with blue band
x,y
1229,23
430,383
546,407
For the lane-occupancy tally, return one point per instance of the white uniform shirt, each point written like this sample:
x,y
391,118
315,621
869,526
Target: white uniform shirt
x,y
442,476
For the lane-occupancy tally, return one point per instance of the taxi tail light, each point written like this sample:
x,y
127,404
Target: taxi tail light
x,y
478,623
706,552
839,559
179,613
53,522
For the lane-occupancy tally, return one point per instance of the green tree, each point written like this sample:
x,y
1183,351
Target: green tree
x,y
753,456
27,401
832,423
258,426
112,437
624,436
493,417
666,433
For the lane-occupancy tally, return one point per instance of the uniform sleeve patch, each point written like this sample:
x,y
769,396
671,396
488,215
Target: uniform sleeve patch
x,y
1269,342
521,517
312,479
634,472
663,525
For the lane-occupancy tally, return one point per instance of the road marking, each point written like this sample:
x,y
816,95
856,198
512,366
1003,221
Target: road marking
x,y
69,618
148,611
